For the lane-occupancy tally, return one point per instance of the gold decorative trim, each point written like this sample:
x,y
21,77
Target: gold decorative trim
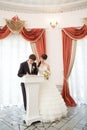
x,y
84,20
15,26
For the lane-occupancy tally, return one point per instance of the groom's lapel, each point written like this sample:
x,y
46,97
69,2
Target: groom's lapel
x,y
28,69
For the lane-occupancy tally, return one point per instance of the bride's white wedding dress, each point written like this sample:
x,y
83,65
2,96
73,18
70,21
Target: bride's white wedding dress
x,y
52,106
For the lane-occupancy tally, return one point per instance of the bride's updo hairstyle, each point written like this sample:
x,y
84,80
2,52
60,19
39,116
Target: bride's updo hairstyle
x,y
44,56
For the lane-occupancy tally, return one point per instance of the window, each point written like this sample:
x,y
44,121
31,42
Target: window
x,y
78,80
13,50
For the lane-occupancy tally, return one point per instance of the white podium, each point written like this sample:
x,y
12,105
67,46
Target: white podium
x,y
32,84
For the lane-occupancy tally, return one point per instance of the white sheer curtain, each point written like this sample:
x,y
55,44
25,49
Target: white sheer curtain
x,y
78,77
13,50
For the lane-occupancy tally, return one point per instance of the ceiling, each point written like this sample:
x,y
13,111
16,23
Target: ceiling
x,y
42,6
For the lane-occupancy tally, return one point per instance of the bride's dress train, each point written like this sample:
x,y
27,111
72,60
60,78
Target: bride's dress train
x,y
52,106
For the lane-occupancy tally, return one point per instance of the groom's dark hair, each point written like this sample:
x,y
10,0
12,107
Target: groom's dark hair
x,y
33,57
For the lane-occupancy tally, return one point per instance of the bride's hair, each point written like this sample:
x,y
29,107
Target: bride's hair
x,y
44,56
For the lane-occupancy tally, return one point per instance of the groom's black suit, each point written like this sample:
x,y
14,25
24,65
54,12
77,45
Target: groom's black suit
x,y
23,70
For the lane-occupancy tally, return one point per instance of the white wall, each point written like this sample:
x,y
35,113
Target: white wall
x,y
54,41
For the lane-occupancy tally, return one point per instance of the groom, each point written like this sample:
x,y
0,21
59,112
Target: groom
x,y
27,67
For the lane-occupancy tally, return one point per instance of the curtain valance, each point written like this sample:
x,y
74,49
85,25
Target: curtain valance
x,y
36,35
76,33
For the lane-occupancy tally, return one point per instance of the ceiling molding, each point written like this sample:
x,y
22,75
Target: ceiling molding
x,y
22,8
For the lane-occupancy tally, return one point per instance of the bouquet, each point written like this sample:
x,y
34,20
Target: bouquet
x,y
46,74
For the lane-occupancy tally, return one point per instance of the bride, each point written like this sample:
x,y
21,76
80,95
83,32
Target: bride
x,y
52,106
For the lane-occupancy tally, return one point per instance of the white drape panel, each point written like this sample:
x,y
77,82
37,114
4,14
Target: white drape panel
x,y
78,77
13,50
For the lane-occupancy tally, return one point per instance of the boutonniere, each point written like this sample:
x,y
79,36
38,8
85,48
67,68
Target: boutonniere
x,y
33,67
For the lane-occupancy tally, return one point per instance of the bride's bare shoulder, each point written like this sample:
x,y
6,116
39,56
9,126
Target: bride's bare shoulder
x,y
48,67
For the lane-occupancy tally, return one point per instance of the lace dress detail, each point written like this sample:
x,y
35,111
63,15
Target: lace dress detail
x,y
52,106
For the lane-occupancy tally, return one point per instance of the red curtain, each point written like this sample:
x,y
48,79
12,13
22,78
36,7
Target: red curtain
x,y
75,33
41,45
38,36
4,32
67,47
67,35
33,35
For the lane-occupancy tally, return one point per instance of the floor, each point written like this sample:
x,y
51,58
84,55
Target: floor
x,y
11,118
